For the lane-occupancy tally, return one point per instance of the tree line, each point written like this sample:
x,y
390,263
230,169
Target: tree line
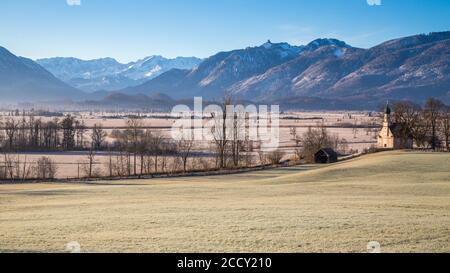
x,y
28,133
427,125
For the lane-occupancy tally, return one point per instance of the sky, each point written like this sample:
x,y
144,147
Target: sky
x,y
132,29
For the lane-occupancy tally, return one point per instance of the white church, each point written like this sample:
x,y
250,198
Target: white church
x,y
393,135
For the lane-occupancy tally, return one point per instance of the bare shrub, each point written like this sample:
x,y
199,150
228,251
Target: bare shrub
x,y
247,159
204,163
275,157
262,158
89,167
15,168
177,165
343,146
98,137
184,150
119,165
317,138
45,168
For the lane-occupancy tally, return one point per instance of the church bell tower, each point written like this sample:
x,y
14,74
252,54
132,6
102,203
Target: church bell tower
x,y
386,138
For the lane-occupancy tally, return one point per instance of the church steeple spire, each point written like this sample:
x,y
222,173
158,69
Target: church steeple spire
x,y
387,110
387,115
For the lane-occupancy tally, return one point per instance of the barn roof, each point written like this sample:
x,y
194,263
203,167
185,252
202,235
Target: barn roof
x,y
330,152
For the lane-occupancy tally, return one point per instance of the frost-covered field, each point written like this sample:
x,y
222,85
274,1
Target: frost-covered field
x,y
400,199
68,162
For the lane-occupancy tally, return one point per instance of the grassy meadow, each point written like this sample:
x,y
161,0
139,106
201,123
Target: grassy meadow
x,y
400,199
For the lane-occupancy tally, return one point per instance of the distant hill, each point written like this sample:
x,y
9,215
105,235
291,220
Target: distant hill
x,y
155,102
22,80
108,74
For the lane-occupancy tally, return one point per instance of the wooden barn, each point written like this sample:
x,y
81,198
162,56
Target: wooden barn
x,y
325,155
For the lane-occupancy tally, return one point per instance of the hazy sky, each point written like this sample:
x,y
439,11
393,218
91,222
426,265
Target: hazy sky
x,y
132,29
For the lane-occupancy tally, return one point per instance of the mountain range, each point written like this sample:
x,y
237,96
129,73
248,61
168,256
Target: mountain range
x,y
411,68
107,74
22,79
324,74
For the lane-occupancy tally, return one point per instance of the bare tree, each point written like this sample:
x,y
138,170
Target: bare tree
x,y
410,116
297,142
316,138
343,146
80,130
184,148
134,131
89,167
220,132
167,148
118,164
21,142
433,109
110,163
445,126
98,136
155,147
421,132
9,166
355,130
50,136
15,168
294,135
143,150
122,144
11,129
26,169
68,127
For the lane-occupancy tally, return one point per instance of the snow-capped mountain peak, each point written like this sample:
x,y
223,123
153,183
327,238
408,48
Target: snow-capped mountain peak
x,y
327,42
108,74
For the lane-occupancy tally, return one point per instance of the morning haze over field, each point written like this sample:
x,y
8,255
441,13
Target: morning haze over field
x,y
225,126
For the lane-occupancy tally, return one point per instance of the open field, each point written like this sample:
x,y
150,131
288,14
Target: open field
x,y
400,199
68,162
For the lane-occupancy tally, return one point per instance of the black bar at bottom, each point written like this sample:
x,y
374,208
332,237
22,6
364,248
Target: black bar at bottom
x,y
220,262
